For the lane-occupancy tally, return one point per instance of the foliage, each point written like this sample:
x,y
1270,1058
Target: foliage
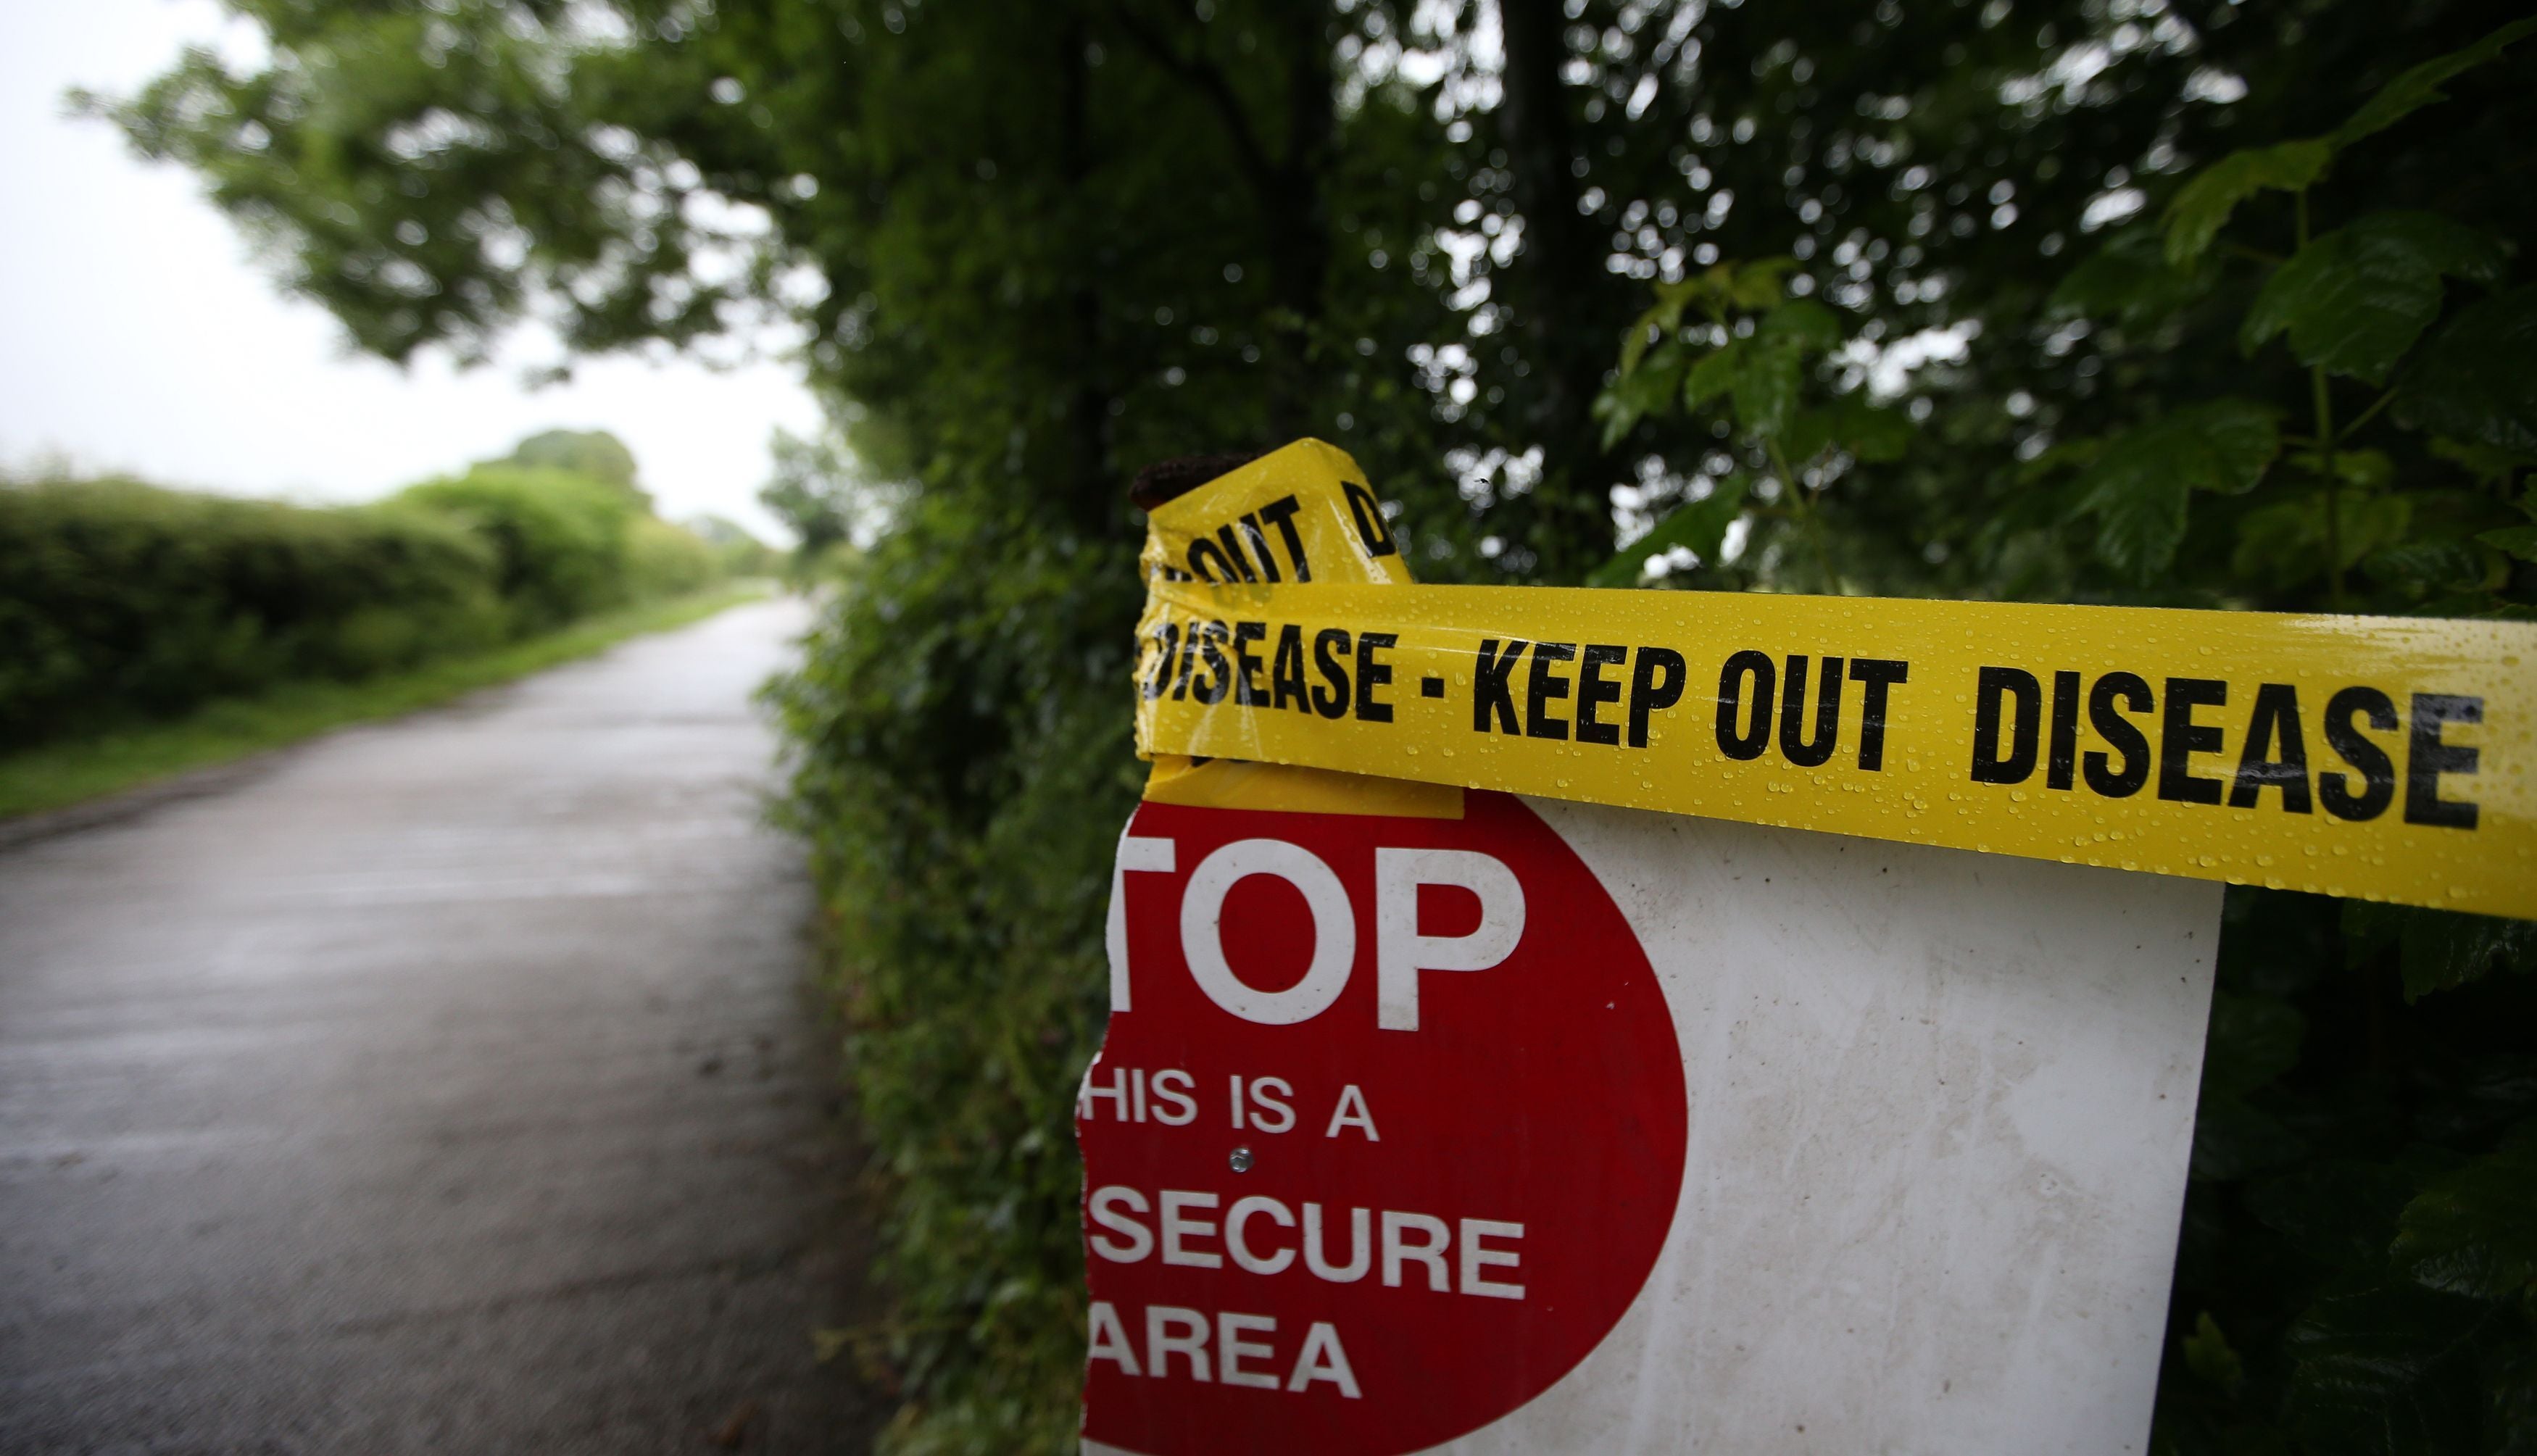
x,y
2354,1266
121,599
560,540
736,550
2357,1264
2034,323
127,754
1754,356
594,455
954,774
666,561
819,491
2349,303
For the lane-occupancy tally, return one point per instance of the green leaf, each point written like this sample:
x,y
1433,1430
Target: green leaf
x,y
2228,444
2438,949
2201,208
2385,1369
2140,516
2474,1232
2138,486
2368,523
1700,525
2368,470
2520,541
2208,1356
1717,289
1714,373
2473,382
2483,461
1802,324
1765,387
1657,324
2356,298
2510,1376
2253,1040
2069,455
1647,391
1761,282
2442,949
2283,544
2420,86
2337,1210
2129,281
2426,567
1850,423
1868,432
1809,434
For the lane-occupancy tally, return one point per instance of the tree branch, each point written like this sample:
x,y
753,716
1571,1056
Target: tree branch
x,y
1210,82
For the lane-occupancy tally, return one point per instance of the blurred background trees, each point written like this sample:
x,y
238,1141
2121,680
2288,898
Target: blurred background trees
x,y
124,601
2166,301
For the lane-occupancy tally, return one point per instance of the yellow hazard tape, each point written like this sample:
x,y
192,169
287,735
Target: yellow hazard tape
x,y
2381,759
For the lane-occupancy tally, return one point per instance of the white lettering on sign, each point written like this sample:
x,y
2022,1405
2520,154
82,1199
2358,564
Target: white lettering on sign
x,y
1110,1342
1231,1349
1453,1255
1135,852
1170,1097
1183,1110
1268,1095
1434,1238
1477,1253
1105,1205
1203,931
1323,1360
1400,952
1240,1248
1177,1229
1352,1111
1173,1330
1360,1246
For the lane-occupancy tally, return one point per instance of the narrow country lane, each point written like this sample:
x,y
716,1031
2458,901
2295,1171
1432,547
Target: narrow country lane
x,y
452,1086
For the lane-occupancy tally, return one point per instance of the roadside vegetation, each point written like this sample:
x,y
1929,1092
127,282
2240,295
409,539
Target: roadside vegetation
x,y
73,771
2174,302
150,631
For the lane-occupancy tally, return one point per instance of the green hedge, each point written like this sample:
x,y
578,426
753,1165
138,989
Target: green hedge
x,y
559,540
961,769
120,600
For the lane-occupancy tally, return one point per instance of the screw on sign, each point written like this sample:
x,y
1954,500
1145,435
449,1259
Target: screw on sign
x,y
1386,1135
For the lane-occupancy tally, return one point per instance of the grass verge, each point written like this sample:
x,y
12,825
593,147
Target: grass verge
x,y
53,776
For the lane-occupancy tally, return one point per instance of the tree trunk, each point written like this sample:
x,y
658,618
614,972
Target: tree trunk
x,y
1559,293
1094,493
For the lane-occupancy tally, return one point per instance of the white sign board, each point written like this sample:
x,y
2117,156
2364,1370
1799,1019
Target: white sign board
x,y
1934,1115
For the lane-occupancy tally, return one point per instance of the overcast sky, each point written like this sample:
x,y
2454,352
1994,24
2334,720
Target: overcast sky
x,y
136,336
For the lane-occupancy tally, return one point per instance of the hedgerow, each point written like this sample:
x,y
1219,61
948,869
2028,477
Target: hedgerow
x,y
120,600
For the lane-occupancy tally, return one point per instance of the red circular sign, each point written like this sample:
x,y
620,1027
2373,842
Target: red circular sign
x,y
1386,1137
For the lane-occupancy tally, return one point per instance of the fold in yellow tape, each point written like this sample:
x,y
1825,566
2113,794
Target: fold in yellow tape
x,y
2382,758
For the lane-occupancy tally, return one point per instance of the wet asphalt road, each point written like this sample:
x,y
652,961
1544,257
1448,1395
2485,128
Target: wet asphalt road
x,y
451,1085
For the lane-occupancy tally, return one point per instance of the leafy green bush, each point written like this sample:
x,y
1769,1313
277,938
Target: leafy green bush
x,y
116,596
119,598
558,538
665,560
2358,1270
959,761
